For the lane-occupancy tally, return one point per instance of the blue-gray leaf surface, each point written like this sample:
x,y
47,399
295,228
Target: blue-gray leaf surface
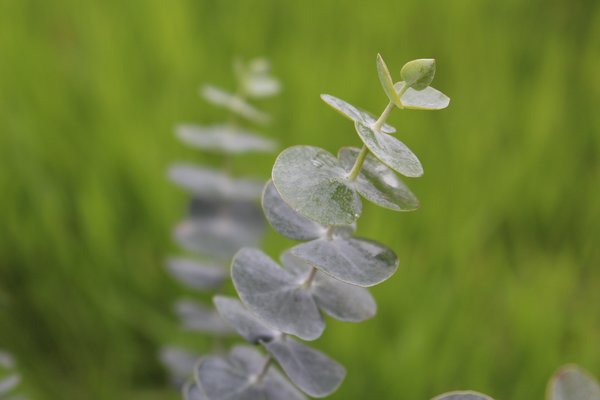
x,y
426,99
196,275
315,185
390,151
339,300
238,377
378,183
463,395
191,391
277,296
223,138
197,317
312,371
215,184
179,362
285,220
386,82
243,321
356,261
573,383
354,113
219,236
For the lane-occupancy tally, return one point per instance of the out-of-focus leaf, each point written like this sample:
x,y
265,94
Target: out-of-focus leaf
x,y
572,382
196,317
312,371
260,86
275,295
6,360
312,182
223,138
243,321
285,220
9,382
340,300
214,184
191,391
220,236
426,99
179,362
354,113
377,183
462,395
390,151
234,103
386,82
355,261
247,213
197,275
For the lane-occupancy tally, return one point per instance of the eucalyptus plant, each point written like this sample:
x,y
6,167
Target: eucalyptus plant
x,y
315,197
9,378
224,212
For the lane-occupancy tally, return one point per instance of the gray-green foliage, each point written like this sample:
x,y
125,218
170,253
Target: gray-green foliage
x,y
9,378
315,197
223,213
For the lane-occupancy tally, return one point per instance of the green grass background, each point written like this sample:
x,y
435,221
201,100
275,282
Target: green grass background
x,y
499,281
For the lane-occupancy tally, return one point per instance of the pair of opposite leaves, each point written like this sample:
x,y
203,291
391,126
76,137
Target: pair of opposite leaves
x,y
318,186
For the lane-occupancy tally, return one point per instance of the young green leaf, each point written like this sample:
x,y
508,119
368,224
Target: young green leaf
x,y
355,261
390,151
196,317
462,395
377,183
572,382
426,99
243,321
386,82
223,138
275,295
199,276
418,74
354,113
314,184
312,371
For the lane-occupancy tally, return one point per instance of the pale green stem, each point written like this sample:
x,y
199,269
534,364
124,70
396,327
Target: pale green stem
x,y
264,369
358,163
384,115
310,278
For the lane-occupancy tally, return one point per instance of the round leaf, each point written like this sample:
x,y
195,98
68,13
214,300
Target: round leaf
x,y
358,262
312,371
377,183
234,103
214,184
275,295
313,183
390,151
426,99
573,383
196,275
340,300
285,220
418,74
462,395
178,362
386,82
243,321
223,138
222,379
191,391
354,113
196,317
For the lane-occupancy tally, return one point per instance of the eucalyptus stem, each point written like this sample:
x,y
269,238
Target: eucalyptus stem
x,y
384,116
264,369
310,278
358,163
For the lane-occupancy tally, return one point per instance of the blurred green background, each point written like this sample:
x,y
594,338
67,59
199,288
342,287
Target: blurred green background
x,y
499,281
